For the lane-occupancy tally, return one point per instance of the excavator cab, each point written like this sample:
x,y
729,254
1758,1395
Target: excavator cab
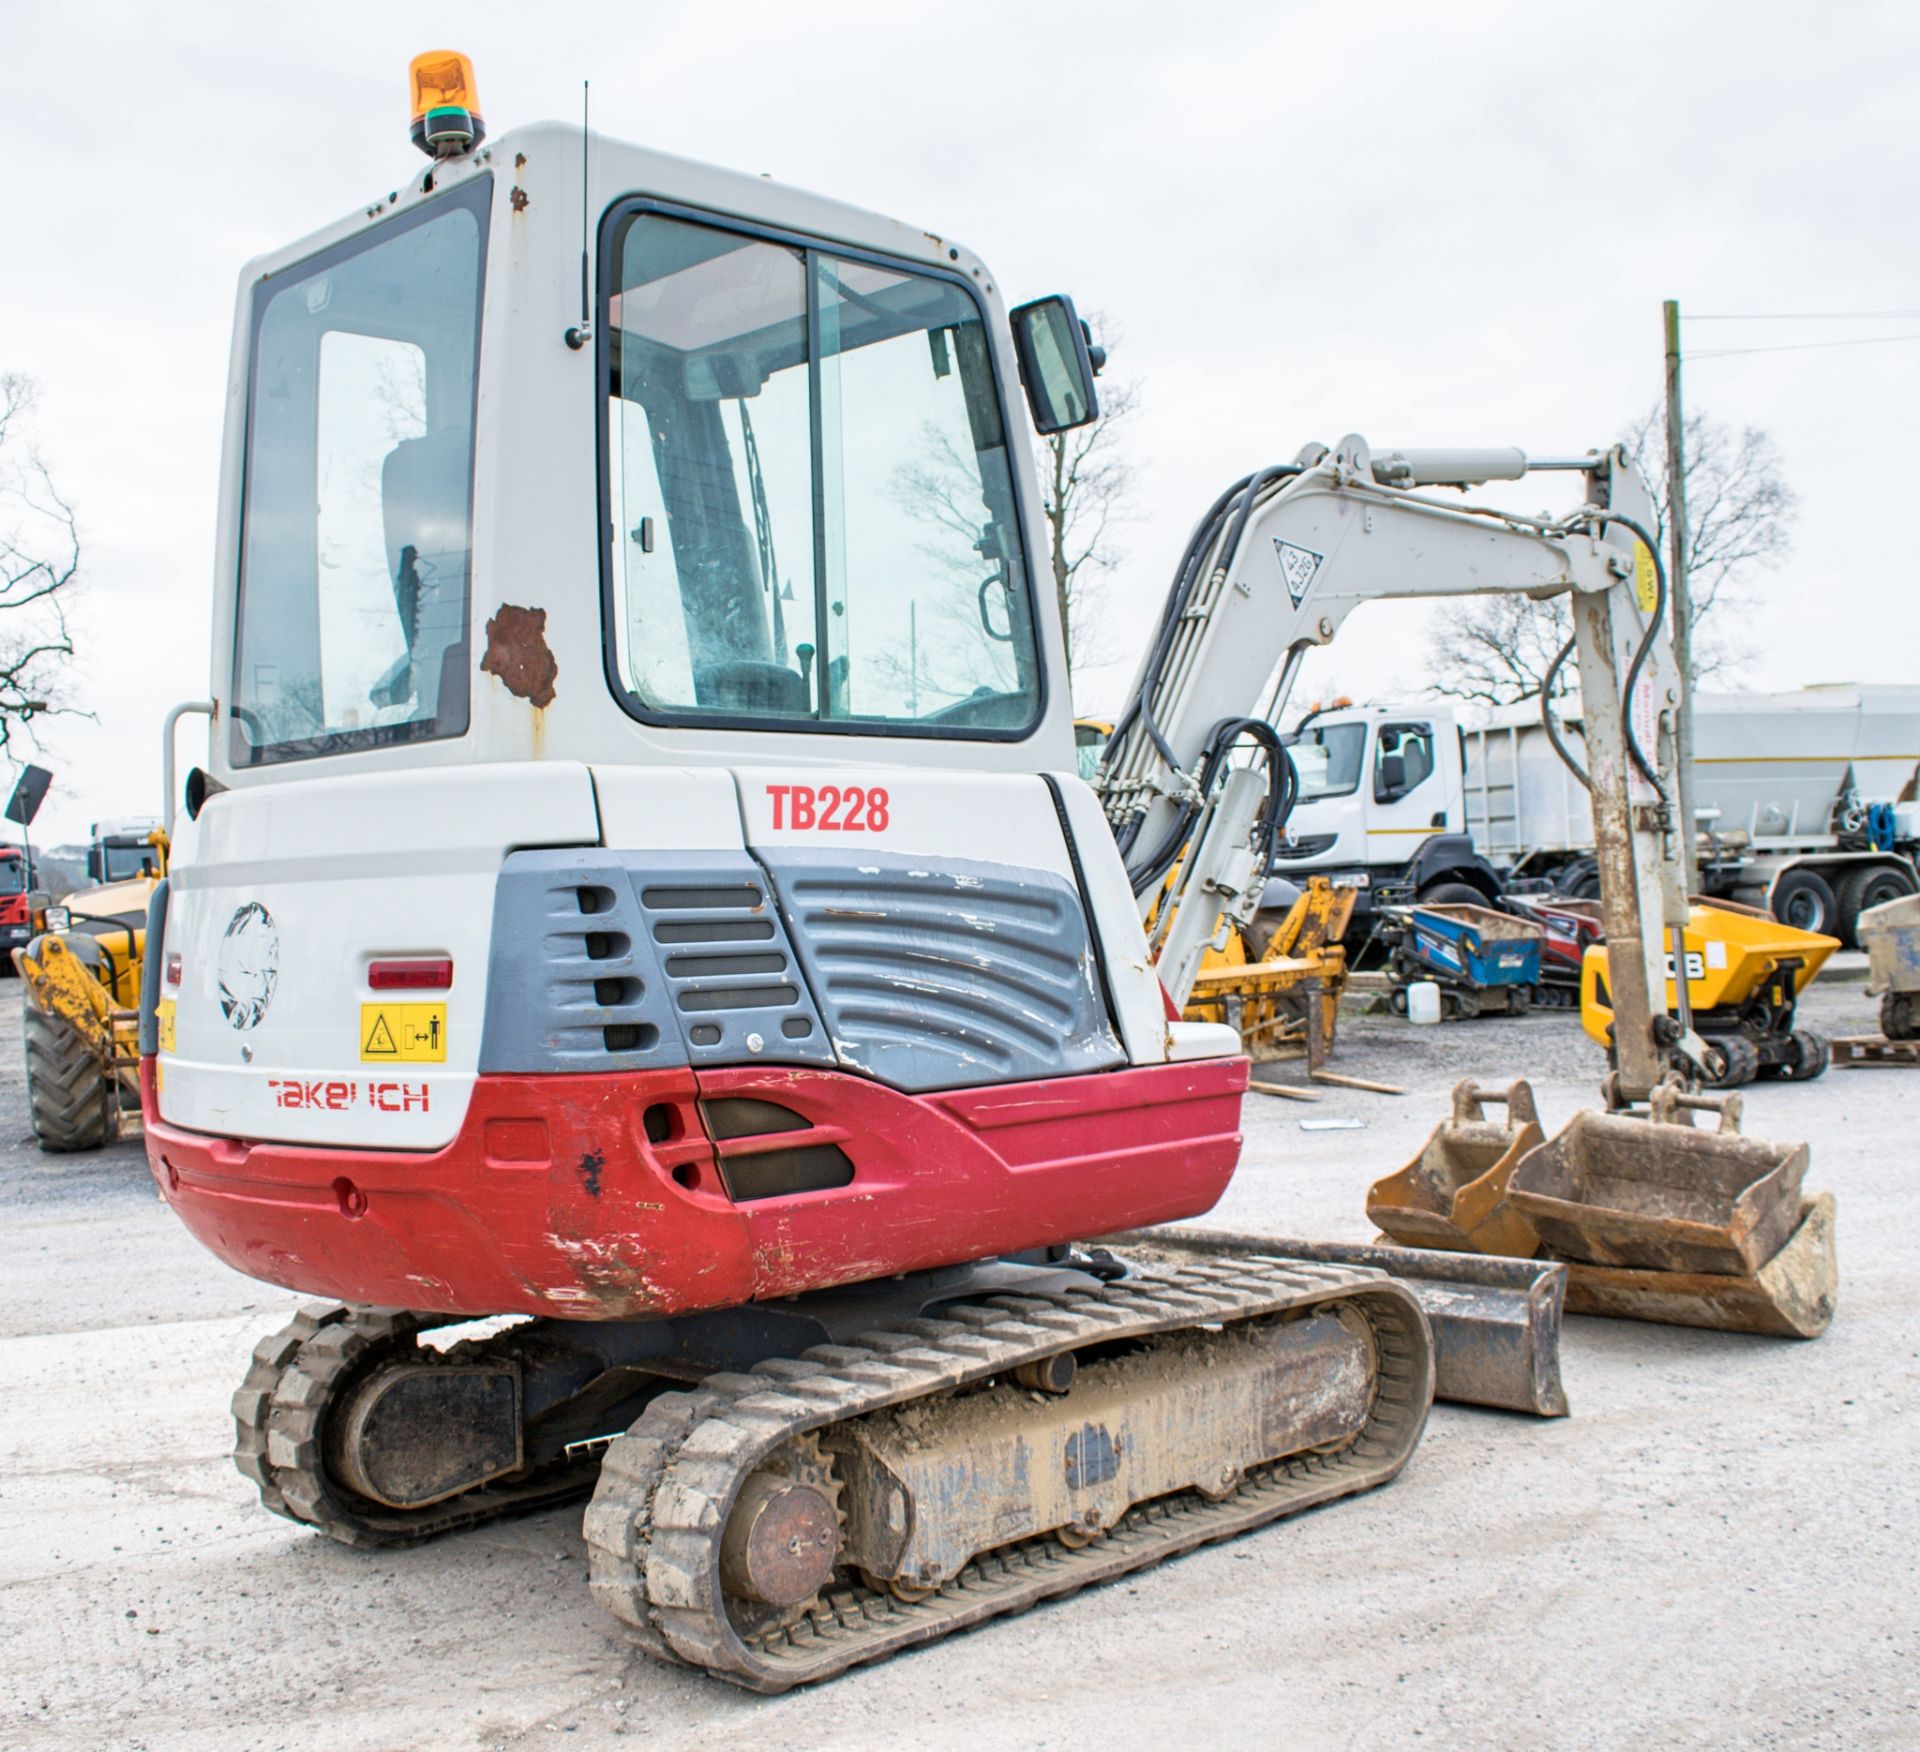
x,y
641,886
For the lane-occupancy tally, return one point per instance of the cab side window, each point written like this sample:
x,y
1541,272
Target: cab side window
x,y
1402,760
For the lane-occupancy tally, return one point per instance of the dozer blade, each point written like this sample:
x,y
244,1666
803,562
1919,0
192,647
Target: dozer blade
x,y
1791,1296
1496,1322
780,1526
1652,1193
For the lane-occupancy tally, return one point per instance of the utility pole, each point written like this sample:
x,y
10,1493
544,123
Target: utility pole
x,y
1678,589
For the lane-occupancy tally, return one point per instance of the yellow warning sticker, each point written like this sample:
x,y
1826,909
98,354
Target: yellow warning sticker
x,y
1646,581
163,1015
406,1034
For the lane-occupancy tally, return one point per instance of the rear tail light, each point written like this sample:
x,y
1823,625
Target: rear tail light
x,y
425,975
173,970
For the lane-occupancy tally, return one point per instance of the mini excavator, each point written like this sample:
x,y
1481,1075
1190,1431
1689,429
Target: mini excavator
x,y
640,953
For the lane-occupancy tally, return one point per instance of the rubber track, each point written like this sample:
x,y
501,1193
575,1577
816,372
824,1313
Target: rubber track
x,y
279,1416
666,1487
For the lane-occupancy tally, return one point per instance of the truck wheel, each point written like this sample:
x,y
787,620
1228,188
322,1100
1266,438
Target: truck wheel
x,y
1579,880
1802,899
1874,885
1900,1015
1810,1055
1397,1000
1452,894
1741,1060
1520,1000
68,1091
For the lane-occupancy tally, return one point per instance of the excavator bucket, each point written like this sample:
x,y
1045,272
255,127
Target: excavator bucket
x,y
1453,1195
1791,1296
1495,1322
1655,1193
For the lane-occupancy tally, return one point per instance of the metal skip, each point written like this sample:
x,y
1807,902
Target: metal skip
x,y
1496,1322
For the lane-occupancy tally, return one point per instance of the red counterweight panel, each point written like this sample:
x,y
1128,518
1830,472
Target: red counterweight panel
x,y
604,1197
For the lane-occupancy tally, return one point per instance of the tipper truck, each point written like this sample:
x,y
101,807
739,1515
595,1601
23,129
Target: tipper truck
x,y
1804,802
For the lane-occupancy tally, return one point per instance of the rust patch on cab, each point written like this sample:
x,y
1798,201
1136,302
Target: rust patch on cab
x,y
517,653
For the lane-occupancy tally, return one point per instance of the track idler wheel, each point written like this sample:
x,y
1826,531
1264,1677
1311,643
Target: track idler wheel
x,y
784,1536
780,1543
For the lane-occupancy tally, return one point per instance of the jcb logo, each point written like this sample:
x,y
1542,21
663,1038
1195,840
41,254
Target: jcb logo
x,y
1696,967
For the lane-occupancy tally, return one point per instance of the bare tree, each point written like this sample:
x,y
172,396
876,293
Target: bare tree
x,y
1086,486
39,560
1497,649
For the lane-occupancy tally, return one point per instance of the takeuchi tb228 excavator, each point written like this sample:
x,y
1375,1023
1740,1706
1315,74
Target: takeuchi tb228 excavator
x,y
639,948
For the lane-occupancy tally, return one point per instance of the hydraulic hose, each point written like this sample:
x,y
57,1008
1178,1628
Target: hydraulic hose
x,y
1213,532
1552,723
1646,639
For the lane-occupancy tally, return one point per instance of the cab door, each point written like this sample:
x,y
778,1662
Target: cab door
x,y
1411,796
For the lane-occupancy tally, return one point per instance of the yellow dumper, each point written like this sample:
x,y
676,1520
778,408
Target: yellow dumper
x,y
1745,973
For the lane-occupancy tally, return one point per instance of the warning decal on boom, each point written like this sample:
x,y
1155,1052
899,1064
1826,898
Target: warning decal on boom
x,y
1297,566
404,1033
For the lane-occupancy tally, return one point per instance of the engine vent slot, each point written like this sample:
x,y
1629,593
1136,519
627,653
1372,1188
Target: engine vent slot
x,y
741,1116
701,899
713,931
723,966
781,1173
739,997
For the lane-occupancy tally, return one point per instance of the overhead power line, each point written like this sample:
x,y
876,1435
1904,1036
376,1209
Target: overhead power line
x,y
1809,316
1801,346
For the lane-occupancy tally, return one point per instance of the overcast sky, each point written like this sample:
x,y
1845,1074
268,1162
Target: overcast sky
x,y
1429,224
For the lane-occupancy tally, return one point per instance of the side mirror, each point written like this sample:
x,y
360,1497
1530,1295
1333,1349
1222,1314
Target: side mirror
x,y
1056,364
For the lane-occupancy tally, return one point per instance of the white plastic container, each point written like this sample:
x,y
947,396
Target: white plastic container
x,y
1423,1002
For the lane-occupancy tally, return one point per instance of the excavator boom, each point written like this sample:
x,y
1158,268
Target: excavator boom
x,y
1279,564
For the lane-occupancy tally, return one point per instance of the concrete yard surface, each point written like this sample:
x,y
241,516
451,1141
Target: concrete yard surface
x,y
1714,1549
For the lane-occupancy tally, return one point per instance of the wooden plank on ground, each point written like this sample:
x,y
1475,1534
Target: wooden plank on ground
x,y
1285,1091
1340,1082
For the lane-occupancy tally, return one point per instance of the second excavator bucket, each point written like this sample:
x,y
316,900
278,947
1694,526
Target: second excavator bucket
x,y
1652,1192
1453,1195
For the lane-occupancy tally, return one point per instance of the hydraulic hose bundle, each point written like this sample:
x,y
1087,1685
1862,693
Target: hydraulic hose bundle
x,y
1218,532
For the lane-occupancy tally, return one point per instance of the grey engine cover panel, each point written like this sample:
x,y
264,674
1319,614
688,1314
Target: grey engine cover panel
x,y
683,961
921,974
948,973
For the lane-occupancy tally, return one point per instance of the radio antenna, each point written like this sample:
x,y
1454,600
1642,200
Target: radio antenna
x,y
579,336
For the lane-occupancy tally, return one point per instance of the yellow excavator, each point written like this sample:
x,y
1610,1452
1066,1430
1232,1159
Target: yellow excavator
x,y
80,982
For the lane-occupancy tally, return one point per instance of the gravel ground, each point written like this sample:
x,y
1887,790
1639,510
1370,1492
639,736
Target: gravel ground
x,y
1714,1549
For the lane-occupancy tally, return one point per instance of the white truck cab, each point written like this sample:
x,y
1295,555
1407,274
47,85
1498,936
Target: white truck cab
x,y
1382,805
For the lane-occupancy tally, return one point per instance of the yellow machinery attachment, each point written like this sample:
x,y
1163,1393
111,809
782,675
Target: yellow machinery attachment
x,y
1283,995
